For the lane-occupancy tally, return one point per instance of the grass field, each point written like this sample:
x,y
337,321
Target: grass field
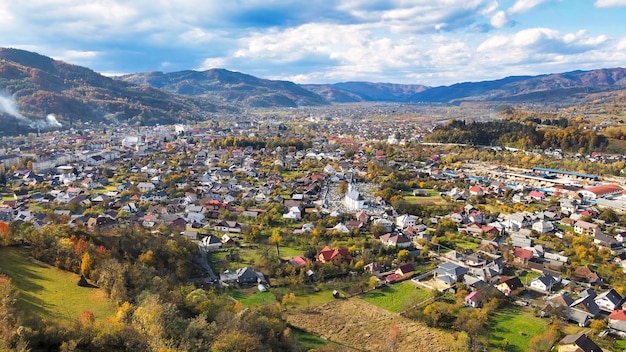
x,y
466,244
253,297
429,200
313,298
516,324
308,341
396,297
50,293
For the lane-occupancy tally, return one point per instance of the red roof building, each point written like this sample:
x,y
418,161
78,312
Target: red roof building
x,y
329,255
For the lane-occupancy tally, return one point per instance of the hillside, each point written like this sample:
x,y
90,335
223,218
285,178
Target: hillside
x,y
558,88
38,92
358,325
349,92
229,86
552,88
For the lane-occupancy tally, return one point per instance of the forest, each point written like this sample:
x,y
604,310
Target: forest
x,y
516,134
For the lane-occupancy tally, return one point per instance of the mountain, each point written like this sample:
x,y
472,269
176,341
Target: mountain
x,y
229,86
558,87
555,88
349,92
37,92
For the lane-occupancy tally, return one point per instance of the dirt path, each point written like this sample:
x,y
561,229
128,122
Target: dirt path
x,y
357,324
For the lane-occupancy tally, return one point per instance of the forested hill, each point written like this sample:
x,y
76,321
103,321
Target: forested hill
x,y
33,87
524,135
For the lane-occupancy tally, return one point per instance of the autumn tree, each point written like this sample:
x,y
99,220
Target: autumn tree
x,y
85,264
5,234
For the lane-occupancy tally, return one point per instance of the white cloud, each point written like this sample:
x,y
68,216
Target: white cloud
x,y
610,3
71,55
213,63
499,19
522,6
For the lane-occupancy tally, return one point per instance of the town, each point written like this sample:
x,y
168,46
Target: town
x,y
335,208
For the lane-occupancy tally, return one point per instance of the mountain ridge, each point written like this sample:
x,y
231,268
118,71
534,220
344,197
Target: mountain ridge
x,y
34,86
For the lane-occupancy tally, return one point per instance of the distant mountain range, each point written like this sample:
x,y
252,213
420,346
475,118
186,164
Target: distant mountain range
x,y
39,92
228,86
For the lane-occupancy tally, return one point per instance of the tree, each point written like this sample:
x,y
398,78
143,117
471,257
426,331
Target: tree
x,y
276,238
5,234
403,255
343,187
608,215
85,264
236,341
373,281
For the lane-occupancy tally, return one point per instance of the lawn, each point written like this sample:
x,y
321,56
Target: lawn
x,y
50,293
430,200
465,244
396,297
313,298
253,297
516,324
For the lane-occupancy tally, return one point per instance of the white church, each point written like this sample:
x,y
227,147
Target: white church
x,y
353,200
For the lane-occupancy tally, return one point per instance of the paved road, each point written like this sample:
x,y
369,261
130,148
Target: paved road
x,y
204,262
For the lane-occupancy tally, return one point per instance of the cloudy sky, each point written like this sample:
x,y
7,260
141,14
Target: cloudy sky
x,y
431,42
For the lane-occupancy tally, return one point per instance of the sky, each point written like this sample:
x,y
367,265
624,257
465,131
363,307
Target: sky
x,y
429,42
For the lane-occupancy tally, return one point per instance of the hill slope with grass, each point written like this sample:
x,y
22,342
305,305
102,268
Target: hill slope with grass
x,y
48,293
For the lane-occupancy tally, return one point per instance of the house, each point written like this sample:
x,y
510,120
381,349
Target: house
x,y
578,343
298,261
146,186
211,243
450,273
405,270
294,213
608,301
362,217
20,194
584,305
544,283
617,320
228,226
584,275
586,228
327,255
536,195
374,268
395,240
406,220
522,255
476,191
472,300
341,228
508,285
543,226
243,275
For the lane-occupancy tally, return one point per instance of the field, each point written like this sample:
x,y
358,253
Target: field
x,y
397,297
253,297
516,324
428,200
46,292
356,324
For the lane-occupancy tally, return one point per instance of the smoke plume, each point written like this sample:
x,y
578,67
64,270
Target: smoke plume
x,y
8,106
52,120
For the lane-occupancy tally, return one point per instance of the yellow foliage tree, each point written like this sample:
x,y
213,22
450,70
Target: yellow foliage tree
x,y
85,264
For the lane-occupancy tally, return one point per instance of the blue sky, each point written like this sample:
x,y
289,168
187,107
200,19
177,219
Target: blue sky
x,y
325,41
